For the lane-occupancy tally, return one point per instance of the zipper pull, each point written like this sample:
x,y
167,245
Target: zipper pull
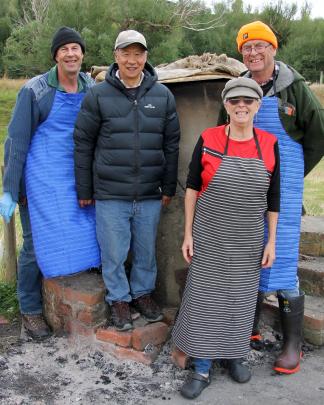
x,y
135,102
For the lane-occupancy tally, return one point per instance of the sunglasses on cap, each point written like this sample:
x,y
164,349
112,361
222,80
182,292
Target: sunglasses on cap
x,y
237,100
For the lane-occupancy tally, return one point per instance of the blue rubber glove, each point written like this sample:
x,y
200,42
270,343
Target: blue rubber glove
x,y
7,206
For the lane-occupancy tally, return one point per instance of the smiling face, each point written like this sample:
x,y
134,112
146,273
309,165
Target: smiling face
x,y
241,114
131,61
69,58
259,63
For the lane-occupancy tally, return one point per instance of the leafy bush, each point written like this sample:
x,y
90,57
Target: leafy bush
x,y
8,300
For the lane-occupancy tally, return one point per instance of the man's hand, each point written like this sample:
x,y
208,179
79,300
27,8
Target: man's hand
x,y
7,206
85,203
166,200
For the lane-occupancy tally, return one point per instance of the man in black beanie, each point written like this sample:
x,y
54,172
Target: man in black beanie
x,y
39,167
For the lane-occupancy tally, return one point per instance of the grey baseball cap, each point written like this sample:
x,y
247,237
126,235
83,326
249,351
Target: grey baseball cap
x,y
129,37
242,87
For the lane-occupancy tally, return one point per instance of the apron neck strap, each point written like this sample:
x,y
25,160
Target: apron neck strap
x,y
257,144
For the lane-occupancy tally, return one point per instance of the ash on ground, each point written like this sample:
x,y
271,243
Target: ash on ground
x,y
58,371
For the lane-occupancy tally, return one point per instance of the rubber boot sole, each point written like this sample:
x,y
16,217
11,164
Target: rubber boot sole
x,y
281,370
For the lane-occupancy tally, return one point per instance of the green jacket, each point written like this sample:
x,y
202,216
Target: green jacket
x,y
301,113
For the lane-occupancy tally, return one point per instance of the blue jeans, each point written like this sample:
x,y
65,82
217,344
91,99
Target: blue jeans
x,y
202,366
123,226
29,282
291,293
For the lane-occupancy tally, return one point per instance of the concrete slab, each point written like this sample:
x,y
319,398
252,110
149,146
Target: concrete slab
x,y
312,236
311,275
312,224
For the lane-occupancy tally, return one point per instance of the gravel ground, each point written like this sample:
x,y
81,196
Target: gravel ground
x,y
58,371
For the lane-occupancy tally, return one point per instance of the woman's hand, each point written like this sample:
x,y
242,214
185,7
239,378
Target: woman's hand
x,y
187,248
269,255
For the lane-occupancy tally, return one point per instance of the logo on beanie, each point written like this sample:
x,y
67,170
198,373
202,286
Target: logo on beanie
x,y
245,36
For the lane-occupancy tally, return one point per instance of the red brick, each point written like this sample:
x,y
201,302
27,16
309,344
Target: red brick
x,y
76,328
88,298
92,314
87,317
169,316
111,335
64,310
54,322
154,333
179,358
3,320
125,353
52,286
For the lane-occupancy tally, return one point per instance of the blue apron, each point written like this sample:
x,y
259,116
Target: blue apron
x,y
64,235
283,273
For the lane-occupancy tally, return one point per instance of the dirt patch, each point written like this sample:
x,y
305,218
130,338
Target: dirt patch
x,y
9,335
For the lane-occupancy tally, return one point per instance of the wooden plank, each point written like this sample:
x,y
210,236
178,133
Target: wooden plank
x,y
9,258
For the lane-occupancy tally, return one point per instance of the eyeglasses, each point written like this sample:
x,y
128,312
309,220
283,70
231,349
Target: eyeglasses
x,y
236,101
259,48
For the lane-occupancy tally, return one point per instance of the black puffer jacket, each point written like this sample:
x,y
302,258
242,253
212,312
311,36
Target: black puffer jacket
x,y
127,148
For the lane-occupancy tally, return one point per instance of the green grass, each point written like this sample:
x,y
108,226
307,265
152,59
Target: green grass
x,y
314,191
8,301
7,102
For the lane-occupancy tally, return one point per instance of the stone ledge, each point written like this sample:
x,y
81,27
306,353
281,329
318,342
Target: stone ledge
x,y
312,236
311,275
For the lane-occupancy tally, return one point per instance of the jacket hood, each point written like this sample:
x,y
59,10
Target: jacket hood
x,y
150,76
286,76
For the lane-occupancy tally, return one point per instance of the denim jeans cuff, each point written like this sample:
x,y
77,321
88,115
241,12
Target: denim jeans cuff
x,y
32,313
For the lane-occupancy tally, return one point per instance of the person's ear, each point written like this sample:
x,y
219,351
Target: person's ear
x,y
274,51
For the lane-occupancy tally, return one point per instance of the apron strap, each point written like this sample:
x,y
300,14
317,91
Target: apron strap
x,y
257,144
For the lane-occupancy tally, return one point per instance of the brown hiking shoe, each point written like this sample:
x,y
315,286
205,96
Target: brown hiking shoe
x,y
148,308
36,326
121,316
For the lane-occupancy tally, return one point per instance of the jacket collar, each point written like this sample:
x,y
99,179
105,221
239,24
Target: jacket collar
x,y
285,77
150,77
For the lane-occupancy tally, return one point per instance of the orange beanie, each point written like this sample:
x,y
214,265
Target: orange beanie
x,y
255,30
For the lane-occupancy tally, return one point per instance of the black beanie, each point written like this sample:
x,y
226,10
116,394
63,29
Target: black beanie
x,y
66,35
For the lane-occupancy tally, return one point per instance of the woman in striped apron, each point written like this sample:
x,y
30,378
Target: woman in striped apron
x,y
233,181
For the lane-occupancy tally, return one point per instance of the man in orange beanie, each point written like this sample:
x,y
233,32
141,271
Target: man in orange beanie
x,y
291,111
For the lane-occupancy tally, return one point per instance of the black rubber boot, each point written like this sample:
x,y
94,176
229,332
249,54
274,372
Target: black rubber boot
x,y
292,317
256,338
238,371
195,384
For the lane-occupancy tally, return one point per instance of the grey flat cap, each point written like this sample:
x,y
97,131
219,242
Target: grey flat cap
x,y
242,87
129,37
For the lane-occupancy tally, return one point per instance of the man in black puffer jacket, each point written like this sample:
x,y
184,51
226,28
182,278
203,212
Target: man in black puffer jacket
x,y
126,158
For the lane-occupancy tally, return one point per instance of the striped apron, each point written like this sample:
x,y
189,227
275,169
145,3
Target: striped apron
x,y
283,273
216,314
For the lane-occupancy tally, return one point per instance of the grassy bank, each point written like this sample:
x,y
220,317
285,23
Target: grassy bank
x,y
8,93
8,302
